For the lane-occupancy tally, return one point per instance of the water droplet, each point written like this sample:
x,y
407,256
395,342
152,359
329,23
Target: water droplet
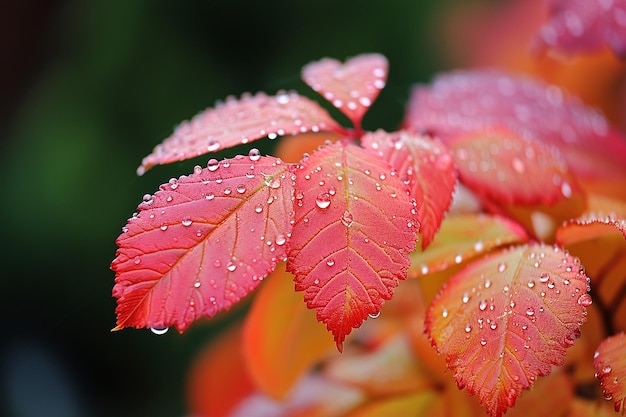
x,y
544,277
159,330
213,164
518,165
281,240
197,284
458,259
231,266
487,283
585,300
164,227
501,267
347,218
137,260
531,283
213,146
210,196
530,311
254,154
466,298
227,191
468,328
217,263
566,190
186,222
323,200
493,326
483,342
330,262
169,198
375,315
258,208
444,312
482,305
173,183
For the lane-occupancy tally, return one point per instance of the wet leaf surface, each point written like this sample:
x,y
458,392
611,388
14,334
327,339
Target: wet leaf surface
x,y
426,167
583,26
610,364
352,86
354,228
202,242
507,319
240,121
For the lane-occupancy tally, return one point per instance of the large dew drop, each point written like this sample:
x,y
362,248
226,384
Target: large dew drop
x,y
323,200
159,330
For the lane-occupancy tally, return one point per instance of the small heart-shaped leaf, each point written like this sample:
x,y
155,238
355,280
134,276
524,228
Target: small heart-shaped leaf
x,y
351,87
610,365
354,228
425,166
242,121
202,242
507,319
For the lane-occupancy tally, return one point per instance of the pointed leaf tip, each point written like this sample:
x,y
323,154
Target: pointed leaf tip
x,y
240,121
202,242
351,87
354,228
507,319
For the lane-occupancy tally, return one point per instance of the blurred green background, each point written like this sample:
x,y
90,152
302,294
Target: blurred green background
x,y
88,89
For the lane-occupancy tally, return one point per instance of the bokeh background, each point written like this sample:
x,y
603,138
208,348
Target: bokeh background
x,y
87,88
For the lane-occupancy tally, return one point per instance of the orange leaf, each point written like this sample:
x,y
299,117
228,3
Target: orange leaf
x,y
462,238
218,379
610,364
281,338
506,319
600,242
424,403
389,370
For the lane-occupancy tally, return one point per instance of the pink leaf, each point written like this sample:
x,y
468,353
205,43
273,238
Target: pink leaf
x,y
610,365
425,166
585,26
500,165
508,318
353,231
238,122
202,242
467,101
351,87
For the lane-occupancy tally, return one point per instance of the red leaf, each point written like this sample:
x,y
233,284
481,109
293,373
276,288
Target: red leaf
x,y
202,242
506,319
501,166
425,166
353,231
238,122
351,87
466,101
610,365
576,26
